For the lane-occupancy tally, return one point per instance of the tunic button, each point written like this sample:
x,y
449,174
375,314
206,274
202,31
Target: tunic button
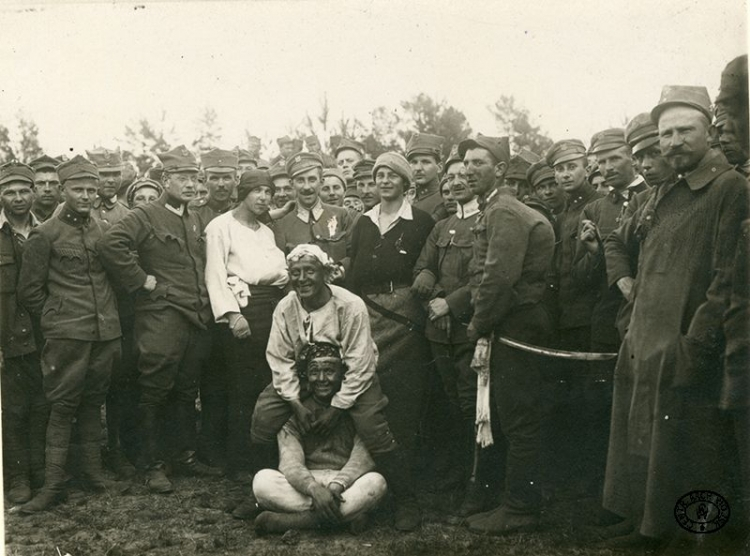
x,y
23,330
713,169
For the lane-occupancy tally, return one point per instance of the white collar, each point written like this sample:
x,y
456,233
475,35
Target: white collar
x,y
636,182
178,211
304,214
33,223
404,213
467,210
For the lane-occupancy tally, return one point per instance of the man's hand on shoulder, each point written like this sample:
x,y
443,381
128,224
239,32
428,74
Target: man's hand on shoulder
x,y
303,415
327,421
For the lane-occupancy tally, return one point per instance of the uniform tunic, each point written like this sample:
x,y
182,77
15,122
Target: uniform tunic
x,y
108,211
668,436
326,226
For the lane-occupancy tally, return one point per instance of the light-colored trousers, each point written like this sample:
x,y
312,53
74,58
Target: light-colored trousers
x,y
273,492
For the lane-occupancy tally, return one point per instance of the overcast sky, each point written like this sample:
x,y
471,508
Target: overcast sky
x,y
84,71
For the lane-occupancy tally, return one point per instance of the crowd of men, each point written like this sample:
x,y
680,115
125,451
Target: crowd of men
x,y
328,310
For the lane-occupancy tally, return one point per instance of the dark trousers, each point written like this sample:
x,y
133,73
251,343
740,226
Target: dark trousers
x,y
24,414
453,364
248,373
212,441
171,352
368,413
122,398
516,383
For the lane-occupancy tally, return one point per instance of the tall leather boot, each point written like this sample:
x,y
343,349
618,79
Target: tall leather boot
x,y
477,493
17,485
56,455
90,431
397,470
38,419
261,457
115,457
186,462
156,478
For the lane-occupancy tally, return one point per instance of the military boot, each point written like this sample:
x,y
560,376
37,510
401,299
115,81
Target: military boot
x,y
156,478
18,488
396,469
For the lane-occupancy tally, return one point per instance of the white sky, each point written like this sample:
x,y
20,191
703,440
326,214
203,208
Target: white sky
x,y
84,71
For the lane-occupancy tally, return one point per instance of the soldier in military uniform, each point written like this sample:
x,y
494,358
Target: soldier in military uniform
x,y
334,185
46,187
64,283
157,252
284,191
312,221
513,248
107,207
515,178
220,168
313,145
286,150
24,407
245,161
348,152
365,183
732,114
424,153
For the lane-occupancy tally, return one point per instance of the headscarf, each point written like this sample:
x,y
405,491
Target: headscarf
x,y
312,351
332,269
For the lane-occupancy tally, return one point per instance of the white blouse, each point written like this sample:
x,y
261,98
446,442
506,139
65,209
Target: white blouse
x,y
235,251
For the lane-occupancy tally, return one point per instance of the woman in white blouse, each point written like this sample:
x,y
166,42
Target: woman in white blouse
x,y
245,275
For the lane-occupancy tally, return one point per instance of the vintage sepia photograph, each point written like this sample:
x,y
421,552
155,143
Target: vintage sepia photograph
x,y
375,277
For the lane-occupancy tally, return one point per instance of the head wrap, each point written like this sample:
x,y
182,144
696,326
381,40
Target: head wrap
x,y
397,163
140,184
315,350
253,179
332,270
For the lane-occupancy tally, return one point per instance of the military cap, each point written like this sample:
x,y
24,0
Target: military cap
x,y
565,150
425,143
349,144
244,156
733,86
592,172
538,172
720,115
253,179
641,132
253,141
44,162
499,147
16,171
395,162
263,164
302,162
363,168
155,173
218,160
278,171
607,139
75,168
335,173
682,95
352,191
106,159
312,141
140,184
179,159
452,157
281,141
520,163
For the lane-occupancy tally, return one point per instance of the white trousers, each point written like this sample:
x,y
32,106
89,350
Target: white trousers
x,y
273,492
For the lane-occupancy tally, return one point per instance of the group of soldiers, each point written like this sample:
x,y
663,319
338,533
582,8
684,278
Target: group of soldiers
x,y
341,306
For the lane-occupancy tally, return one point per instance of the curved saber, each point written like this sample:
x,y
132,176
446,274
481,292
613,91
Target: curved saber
x,y
558,353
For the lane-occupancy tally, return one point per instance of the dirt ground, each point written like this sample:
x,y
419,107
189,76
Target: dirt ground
x,y
196,519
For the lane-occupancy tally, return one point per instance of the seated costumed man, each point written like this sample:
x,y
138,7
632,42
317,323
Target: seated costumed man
x,y
323,479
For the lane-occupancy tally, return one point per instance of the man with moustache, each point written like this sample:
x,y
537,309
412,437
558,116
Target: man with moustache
x,y
732,114
46,187
424,153
668,433
107,207
157,253
442,280
312,221
220,168
64,284
365,183
513,248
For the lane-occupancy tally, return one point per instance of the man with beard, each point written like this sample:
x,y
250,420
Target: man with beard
x,y
368,191
46,187
313,221
513,248
220,168
424,153
107,207
157,253
668,433
24,408
732,114
64,284
348,153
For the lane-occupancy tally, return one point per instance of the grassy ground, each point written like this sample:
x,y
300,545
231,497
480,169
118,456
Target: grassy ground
x,y
195,519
